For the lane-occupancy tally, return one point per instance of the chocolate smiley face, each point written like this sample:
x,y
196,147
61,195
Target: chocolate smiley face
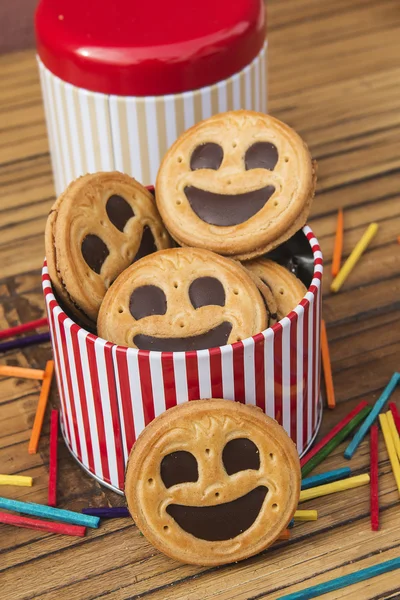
x,y
212,481
182,299
239,183
98,227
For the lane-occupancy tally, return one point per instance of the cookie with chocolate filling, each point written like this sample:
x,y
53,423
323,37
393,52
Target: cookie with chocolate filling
x,y
182,299
239,183
100,225
211,482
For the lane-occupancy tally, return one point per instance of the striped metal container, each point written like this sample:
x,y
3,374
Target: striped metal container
x,y
109,393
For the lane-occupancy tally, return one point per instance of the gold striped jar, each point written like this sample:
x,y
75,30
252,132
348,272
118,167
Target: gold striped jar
x,y
122,80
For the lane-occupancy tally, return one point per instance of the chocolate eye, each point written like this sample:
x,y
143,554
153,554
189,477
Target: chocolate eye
x,y
178,467
205,291
261,155
207,156
119,211
94,252
147,300
147,244
239,455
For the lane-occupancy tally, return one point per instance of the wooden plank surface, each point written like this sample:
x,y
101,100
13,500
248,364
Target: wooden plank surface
x,y
334,75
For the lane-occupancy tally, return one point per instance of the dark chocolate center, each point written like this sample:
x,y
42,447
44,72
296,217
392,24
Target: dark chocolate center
x,y
240,454
206,156
261,155
214,337
178,467
204,291
227,209
222,521
147,300
147,244
119,211
94,252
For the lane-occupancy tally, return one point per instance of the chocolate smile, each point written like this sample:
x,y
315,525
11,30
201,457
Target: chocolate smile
x,y
214,337
227,209
222,521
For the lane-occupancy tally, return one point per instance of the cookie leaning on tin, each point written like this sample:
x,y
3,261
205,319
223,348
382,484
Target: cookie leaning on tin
x,y
182,299
239,183
211,482
98,227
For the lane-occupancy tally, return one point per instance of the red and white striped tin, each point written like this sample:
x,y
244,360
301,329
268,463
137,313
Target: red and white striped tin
x,y
109,393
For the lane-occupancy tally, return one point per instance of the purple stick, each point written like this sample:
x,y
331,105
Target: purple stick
x,y
107,512
25,341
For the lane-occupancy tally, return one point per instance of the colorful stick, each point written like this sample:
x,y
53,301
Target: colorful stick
x,y
20,480
333,432
47,512
396,415
284,535
21,372
379,404
7,333
344,581
305,515
39,338
36,524
107,512
338,247
326,365
326,477
393,432
41,407
374,490
354,257
334,443
332,488
52,492
394,461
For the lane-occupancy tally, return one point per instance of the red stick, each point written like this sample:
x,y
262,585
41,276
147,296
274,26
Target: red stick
x,y
396,416
39,525
52,496
7,333
332,433
374,503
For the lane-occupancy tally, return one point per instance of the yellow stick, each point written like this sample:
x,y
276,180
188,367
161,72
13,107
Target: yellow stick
x,y
7,371
306,515
336,486
16,480
394,461
354,257
393,431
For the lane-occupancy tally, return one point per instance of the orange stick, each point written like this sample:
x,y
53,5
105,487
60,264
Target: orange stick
x,y
7,371
284,535
338,247
326,365
41,407
398,239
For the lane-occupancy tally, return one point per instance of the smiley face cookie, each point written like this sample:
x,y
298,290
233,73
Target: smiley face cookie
x,y
98,227
182,299
212,481
239,183
286,288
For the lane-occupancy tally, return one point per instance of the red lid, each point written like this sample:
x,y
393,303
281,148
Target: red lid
x,y
146,48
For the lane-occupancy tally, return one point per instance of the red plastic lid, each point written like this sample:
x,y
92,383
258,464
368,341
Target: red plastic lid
x,y
146,48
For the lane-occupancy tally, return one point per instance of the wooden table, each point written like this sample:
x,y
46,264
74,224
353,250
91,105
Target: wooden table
x,y
334,75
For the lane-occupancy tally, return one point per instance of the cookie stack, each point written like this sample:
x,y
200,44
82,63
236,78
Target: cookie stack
x,y
229,190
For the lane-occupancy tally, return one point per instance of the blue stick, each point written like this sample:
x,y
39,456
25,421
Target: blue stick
x,y
107,512
379,404
326,477
341,582
58,514
22,342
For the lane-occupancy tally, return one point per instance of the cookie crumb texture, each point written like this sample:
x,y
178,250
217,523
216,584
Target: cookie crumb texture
x,y
239,183
211,482
99,226
182,299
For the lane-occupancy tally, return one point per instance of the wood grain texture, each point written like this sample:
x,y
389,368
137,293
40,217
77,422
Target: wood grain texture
x,y
334,75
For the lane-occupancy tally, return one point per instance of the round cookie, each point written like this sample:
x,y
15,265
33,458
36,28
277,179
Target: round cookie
x,y
286,288
98,227
182,299
239,183
211,482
